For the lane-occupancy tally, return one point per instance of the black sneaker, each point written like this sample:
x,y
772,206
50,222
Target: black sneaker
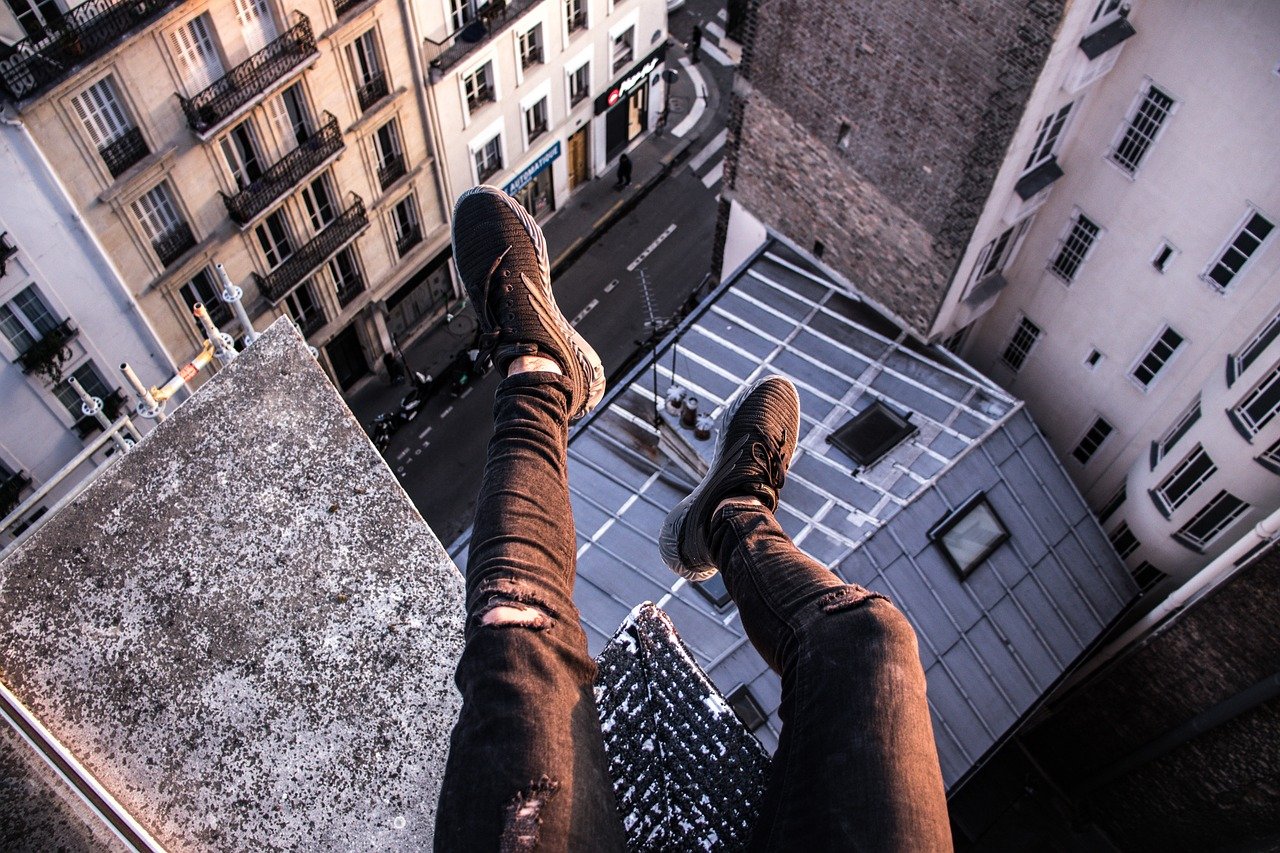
x,y
502,258
757,437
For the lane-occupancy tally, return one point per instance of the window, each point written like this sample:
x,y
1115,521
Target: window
x,y
535,120
317,198
531,46
1093,359
25,319
304,309
197,57
746,706
624,48
1209,523
999,252
579,83
202,289
1270,458
347,281
1259,406
109,126
158,216
1182,482
290,115
371,81
714,591
1024,338
35,16
1237,253
273,237
489,158
90,380
969,534
255,23
1123,540
390,156
1180,428
1146,370
1092,440
462,12
1112,506
479,86
575,13
844,136
1163,257
1046,144
404,216
872,433
1142,129
240,152
1249,353
1107,11
1074,248
1146,576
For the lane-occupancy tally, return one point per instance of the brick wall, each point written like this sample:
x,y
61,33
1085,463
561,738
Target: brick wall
x,y
931,93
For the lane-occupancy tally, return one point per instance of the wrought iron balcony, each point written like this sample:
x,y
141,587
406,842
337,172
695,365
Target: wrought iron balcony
x,y
342,7
311,323
124,152
85,32
302,263
411,237
391,170
479,96
112,405
286,174
11,491
350,287
174,243
7,251
578,21
371,91
47,355
448,49
207,109
532,56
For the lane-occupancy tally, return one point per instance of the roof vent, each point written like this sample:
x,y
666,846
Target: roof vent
x,y
872,433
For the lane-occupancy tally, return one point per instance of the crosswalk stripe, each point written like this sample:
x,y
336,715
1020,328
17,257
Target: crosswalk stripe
x,y
716,53
715,30
723,15
713,177
713,147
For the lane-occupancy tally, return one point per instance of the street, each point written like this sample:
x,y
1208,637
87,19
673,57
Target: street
x,y
666,241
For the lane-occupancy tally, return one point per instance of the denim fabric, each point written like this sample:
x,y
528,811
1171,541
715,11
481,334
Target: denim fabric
x,y
856,766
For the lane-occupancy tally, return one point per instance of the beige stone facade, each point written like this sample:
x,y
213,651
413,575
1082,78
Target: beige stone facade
x,y
287,142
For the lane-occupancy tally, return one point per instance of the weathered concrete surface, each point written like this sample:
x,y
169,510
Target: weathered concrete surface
x,y
244,629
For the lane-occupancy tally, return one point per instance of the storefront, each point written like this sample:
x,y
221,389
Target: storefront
x,y
535,186
627,106
428,290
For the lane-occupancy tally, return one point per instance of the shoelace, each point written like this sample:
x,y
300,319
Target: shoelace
x,y
488,342
769,458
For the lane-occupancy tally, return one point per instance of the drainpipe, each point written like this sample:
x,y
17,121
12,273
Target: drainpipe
x,y
426,108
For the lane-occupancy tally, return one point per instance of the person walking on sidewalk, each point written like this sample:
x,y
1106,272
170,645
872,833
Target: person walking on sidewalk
x,y
856,767
695,42
624,172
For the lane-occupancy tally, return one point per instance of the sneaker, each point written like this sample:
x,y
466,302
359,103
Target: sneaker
x,y
502,258
757,437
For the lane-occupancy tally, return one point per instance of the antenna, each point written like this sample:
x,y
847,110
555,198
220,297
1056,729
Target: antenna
x,y
655,326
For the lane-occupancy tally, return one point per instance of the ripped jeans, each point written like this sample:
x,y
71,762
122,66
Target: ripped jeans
x,y
856,766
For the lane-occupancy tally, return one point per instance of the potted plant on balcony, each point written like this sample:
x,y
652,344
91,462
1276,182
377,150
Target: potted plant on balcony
x,y
47,356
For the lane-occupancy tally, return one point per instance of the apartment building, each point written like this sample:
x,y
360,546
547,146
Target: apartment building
x,y
1080,199
287,142
540,96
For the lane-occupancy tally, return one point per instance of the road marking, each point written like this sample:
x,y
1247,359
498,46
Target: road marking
x,y
423,434
716,53
713,147
470,388
584,312
723,15
715,30
402,454
713,177
446,412
631,267
699,102
608,288
418,452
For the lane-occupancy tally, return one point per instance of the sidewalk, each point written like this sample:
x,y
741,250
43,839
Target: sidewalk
x,y
592,209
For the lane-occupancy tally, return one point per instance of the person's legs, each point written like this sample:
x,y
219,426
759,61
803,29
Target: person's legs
x,y
856,765
526,762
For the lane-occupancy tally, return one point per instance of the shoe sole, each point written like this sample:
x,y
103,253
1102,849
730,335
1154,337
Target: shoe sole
x,y
588,359
669,538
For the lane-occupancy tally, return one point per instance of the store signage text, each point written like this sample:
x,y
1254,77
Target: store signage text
x,y
522,180
634,78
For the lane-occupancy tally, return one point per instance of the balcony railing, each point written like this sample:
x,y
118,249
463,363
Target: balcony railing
x,y
124,152
342,7
174,243
391,170
47,355
308,259
250,78
311,323
478,96
112,405
537,130
371,91
578,20
448,49
78,36
409,238
350,287
286,174
532,56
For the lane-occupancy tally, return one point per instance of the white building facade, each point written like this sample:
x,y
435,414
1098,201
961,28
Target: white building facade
x,y
1124,280
540,97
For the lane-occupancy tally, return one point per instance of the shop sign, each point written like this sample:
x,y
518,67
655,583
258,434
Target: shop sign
x,y
635,76
522,180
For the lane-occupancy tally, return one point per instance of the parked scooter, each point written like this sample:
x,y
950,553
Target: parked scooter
x,y
468,367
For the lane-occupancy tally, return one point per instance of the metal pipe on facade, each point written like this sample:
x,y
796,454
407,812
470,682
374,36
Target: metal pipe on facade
x,y
92,407
234,296
148,407
224,348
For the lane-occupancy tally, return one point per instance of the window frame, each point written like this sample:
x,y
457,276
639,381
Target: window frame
x,y
1152,353
1179,428
30,326
571,75
1089,445
978,502
271,246
1192,472
494,141
475,95
1241,230
1049,133
1123,541
1127,163
1074,247
1248,353
1199,542
1018,351
1251,426
619,61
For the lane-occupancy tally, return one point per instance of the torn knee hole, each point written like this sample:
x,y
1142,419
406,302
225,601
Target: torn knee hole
x,y
524,815
502,613
846,597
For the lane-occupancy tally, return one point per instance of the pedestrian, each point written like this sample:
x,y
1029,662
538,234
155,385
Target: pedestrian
x,y
624,172
856,766
695,42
